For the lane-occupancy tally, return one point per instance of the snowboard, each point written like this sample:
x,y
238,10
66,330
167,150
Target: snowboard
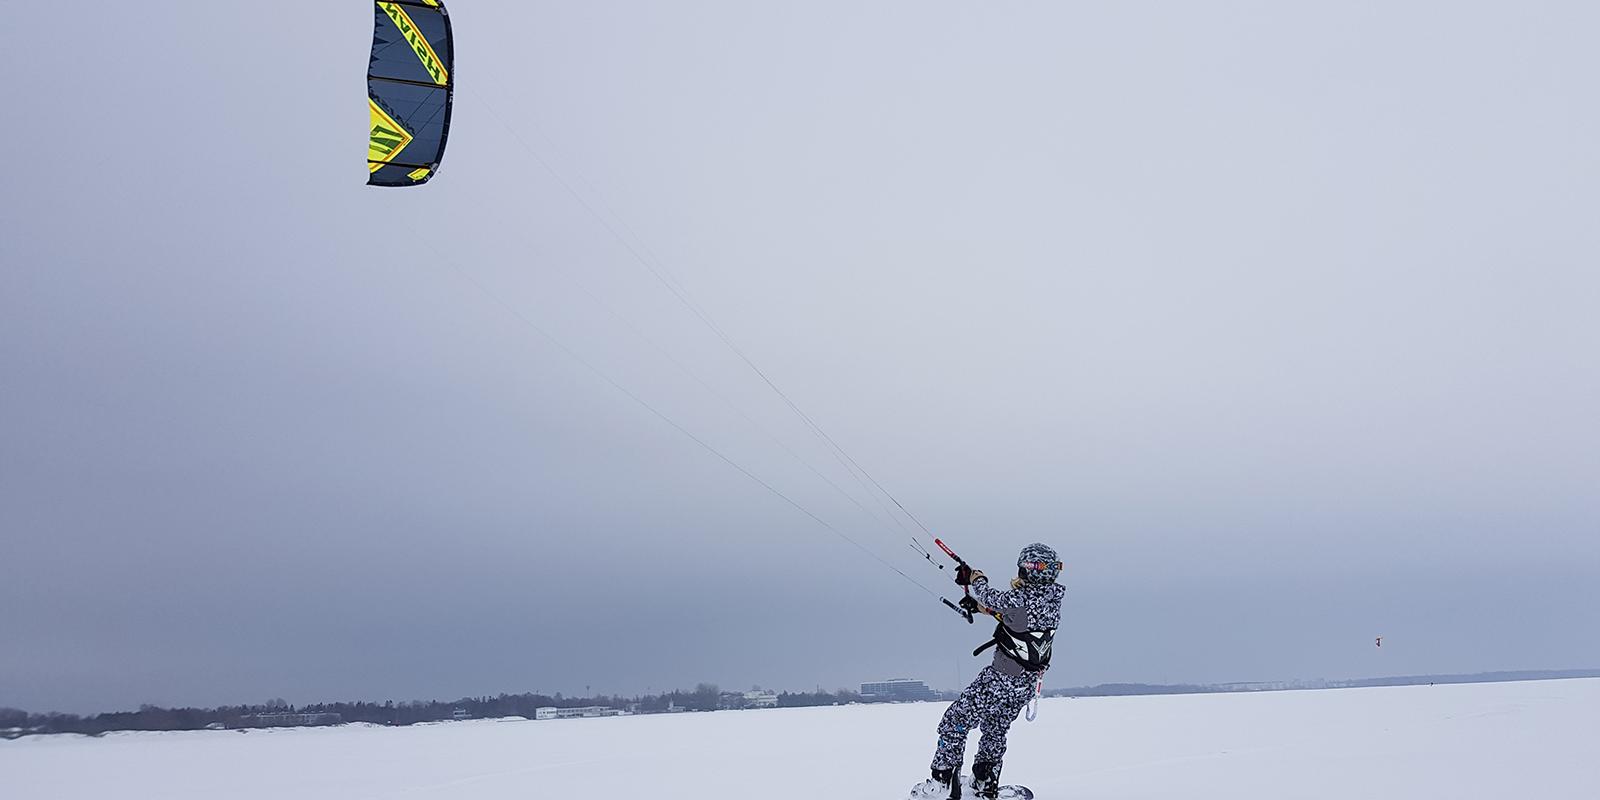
x,y
1006,792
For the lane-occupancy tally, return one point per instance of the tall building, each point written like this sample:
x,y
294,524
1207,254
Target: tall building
x,y
897,689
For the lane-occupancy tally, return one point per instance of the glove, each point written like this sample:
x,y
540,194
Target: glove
x,y
970,605
965,574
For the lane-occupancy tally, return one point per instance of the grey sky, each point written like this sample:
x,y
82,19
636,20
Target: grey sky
x,y
1278,321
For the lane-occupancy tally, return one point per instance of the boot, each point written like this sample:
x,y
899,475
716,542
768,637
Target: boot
x,y
937,787
986,779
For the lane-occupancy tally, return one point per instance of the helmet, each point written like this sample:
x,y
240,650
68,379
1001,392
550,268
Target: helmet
x,y
1038,564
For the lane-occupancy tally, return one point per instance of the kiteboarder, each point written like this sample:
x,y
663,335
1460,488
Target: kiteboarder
x,y
1026,619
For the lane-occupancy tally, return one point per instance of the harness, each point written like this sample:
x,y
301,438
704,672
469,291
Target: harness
x,y
1031,649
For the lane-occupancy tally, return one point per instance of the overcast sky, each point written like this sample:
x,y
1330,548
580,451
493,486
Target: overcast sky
x,y
1279,321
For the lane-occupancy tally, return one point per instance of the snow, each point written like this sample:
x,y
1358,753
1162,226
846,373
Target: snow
x,y
1508,740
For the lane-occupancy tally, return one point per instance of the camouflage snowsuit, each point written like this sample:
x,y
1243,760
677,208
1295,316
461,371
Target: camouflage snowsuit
x,y
993,700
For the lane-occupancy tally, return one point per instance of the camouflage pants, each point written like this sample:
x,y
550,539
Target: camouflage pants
x,y
991,703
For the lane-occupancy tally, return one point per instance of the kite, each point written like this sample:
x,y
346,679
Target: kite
x,y
409,91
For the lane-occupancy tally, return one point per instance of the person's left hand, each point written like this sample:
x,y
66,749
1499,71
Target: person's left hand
x,y
965,574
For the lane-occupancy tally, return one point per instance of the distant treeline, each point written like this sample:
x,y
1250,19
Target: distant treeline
x,y
1129,689
704,697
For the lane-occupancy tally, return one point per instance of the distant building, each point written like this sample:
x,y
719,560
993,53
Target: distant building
x,y
460,713
761,699
551,712
897,689
285,720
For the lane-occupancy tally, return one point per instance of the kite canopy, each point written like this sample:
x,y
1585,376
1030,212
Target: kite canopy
x,y
409,87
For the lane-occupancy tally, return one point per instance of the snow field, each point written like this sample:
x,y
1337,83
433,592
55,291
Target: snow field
x,y
1509,740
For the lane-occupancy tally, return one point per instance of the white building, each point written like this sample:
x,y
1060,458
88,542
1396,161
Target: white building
x,y
551,712
761,699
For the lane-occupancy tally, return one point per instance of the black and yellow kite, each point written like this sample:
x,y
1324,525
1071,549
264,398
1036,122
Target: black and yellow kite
x,y
409,90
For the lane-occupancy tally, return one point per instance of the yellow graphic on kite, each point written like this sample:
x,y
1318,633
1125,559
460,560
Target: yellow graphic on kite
x,y
419,44
388,138
409,91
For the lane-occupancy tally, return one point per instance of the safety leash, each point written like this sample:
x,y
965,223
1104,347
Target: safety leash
x,y
1033,703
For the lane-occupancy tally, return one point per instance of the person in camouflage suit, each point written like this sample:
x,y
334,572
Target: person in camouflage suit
x,y
1028,615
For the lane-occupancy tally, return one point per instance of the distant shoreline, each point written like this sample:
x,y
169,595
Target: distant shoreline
x,y
1137,689
15,724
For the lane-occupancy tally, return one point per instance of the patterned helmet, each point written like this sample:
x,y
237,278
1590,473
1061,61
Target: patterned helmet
x,y
1038,564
